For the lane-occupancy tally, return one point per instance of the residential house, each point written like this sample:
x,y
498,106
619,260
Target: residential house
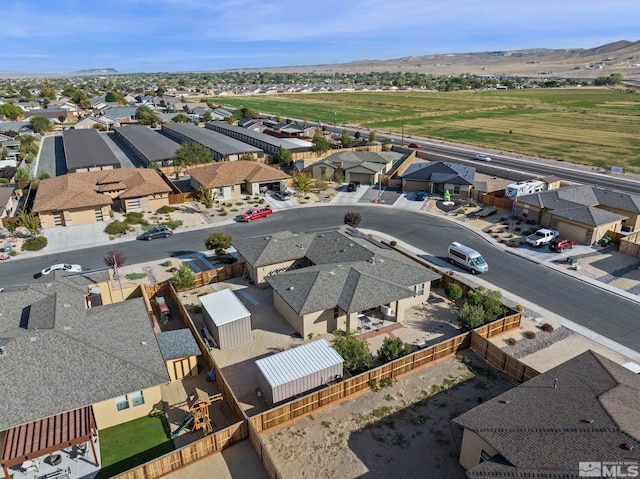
x,y
8,201
326,280
584,411
21,127
364,166
121,114
583,213
437,177
82,198
57,115
73,360
231,179
91,121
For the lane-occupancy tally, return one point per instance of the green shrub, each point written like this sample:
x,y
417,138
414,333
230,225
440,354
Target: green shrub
x,y
4,181
392,348
470,316
167,263
134,218
173,224
196,308
183,278
134,276
35,243
453,290
165,210
116,227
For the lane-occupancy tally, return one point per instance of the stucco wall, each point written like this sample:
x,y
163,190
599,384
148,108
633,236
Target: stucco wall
x,y
287,313
472,445
107,413
258,274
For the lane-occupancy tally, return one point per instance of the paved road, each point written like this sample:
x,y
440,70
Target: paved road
x,y
607,314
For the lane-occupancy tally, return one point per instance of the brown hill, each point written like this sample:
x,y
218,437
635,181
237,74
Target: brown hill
x,y
617,57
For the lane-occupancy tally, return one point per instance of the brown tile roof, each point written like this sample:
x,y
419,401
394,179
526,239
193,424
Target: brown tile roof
x,y
227,173
82,190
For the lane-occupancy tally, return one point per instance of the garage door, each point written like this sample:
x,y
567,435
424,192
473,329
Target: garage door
x,y
416,185
363,178
572,231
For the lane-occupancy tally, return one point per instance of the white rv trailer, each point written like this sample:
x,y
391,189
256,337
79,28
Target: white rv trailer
x,y
522,188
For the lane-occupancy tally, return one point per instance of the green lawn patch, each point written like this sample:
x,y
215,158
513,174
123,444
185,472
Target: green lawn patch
x,y
133,443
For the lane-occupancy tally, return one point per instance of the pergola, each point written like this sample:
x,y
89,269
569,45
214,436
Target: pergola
x,y
48,435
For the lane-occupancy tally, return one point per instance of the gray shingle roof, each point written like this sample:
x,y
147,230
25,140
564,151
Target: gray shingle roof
x,y
85,356
213,140
441,172
86,148
538,428
150,143
178,343
340,268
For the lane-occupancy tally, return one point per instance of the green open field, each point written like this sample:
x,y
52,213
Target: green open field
x,y
594,126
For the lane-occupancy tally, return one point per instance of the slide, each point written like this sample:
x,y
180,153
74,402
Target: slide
x,y
184,424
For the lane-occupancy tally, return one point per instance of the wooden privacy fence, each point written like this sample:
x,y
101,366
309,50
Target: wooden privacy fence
x,y
263,453
218,274
179,198
501,360
192,452
490,200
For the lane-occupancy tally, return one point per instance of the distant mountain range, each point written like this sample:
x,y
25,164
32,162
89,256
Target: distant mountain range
x,y
618,57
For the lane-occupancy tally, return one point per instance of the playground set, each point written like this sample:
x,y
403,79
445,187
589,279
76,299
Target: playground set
x,y
199,417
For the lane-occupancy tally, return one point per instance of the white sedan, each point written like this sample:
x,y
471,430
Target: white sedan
x,y
481,157
71,268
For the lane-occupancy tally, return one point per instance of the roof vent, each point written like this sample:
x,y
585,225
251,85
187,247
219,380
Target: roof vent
x,y
3,351
372,259
350,245
381,260
267,238
321,235
33,339
626,446
504,401
586,421
275,240
290,288
143,343
1,290
67,328
332,273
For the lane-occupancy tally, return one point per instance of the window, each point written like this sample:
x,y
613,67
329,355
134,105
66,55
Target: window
x,y
137,399
418,289
484,455
134,203
336,313
122,403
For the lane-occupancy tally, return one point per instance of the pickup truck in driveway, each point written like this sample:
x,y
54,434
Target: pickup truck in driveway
x,y
542,237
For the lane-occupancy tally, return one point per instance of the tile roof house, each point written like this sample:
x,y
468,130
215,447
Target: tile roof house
x,y
60,357
437,176
583,213
82,198
583,410
232,178
324,280
363,166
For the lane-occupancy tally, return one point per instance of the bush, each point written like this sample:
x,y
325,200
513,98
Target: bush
x,y
355,352
35,243
352,219
218,242
173,224
183,278
547,328
167,263
165,210
392,348
196,308
519,308
453,290
510,341
134,218
529,334
470,316
4,181
116,227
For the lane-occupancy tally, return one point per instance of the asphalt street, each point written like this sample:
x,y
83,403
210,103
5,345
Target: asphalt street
x,y
607,314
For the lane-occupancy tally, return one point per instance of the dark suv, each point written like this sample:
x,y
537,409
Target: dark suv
x,y
157,232
353,186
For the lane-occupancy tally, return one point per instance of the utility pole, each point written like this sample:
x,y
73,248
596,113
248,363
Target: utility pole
x,y
334,124
402,144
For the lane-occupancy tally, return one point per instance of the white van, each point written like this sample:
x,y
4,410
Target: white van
x,y
467,258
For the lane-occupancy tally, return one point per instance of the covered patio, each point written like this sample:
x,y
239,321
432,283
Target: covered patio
x,y
63,446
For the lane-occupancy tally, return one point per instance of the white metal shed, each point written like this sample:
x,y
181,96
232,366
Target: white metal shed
x,y
226,318
298,370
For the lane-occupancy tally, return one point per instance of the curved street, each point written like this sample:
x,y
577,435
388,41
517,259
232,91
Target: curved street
x,y
610,315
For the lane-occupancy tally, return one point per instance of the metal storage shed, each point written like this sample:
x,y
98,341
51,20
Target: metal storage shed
x,y
298,370
226,318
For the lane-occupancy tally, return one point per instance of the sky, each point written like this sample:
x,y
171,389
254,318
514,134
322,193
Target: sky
x,y
132,36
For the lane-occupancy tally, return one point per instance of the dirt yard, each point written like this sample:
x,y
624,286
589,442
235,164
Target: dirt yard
x,y
401,431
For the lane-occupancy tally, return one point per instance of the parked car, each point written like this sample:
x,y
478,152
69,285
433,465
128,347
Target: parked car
x,y
353,186
481,157
415,145
542,237
421,195
70,268
157,232
255,213
561,244
282,195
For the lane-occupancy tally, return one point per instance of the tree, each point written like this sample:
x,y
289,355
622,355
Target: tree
x,y
248,157
115,258
192,154
207,116
352,219
48,93
180,118
11,111
146,116
346,140
207,196
470,316
23,175
283,156
392,349
386,144
114,96
355,352
31,221
40,124
302,183
319,144
183,278
44,175
338,176
490,301
218,242
372,136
